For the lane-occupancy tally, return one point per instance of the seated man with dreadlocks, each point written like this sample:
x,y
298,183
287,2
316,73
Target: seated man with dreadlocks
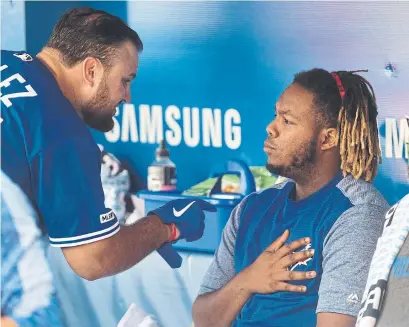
x,y
298,254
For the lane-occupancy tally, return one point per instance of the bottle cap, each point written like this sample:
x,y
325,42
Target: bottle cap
x,y
162,151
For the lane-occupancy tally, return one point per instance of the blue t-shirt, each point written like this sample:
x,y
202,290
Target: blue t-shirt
x,y
343,220
50,153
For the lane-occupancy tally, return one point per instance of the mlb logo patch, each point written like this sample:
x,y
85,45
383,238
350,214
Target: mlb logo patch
x,y
104,218
23,56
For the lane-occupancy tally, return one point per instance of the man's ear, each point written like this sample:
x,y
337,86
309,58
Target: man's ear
x,y
91,67
329,138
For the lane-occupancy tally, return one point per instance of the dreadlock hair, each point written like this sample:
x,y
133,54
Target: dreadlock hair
x,y
346,101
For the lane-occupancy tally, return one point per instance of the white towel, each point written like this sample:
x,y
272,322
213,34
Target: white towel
x,y
135,317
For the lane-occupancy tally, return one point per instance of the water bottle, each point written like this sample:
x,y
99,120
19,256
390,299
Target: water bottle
x,y
162,172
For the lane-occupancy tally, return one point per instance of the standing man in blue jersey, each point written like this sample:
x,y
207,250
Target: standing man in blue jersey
x,y
47,103
325,139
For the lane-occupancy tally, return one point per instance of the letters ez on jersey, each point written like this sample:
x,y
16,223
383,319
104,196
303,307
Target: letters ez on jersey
x,y
4,84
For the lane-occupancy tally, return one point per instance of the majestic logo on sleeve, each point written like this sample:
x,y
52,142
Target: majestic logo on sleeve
x,y
104,218
302,263
353,298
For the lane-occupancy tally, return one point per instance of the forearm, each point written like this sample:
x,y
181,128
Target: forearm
x,y
220,308
119,252
133,243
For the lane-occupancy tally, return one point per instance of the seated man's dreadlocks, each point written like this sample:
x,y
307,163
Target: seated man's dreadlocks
x,y
346,101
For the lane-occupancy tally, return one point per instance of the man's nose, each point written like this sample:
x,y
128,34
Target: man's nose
x,y
272,129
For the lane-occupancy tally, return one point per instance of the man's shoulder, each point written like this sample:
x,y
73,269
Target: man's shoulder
x,y
366,212
26,69
39,110
31,87
361,193
363,211
15,59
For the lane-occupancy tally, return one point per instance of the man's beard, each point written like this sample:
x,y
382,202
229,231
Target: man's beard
x,y
97,113
301,164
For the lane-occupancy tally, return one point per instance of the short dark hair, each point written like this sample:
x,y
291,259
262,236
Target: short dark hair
x,y
353,114
86,32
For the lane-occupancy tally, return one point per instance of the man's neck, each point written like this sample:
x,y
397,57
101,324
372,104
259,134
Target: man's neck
x,y
317,179
52,61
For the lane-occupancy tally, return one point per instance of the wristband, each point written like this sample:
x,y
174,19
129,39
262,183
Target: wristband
x,y
173,232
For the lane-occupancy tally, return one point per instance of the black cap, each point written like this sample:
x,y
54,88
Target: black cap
x,y
162,151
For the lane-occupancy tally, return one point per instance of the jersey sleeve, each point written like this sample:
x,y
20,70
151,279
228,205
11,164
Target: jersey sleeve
x,y
221,270
67,186
347,254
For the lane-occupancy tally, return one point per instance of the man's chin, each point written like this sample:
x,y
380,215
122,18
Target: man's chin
x,y
274,169
102,125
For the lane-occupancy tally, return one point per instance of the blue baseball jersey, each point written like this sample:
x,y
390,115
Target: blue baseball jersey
x,y
343,220
50,153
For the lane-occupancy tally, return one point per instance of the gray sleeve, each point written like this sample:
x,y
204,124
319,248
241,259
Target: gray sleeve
x,y
347,255
221,270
